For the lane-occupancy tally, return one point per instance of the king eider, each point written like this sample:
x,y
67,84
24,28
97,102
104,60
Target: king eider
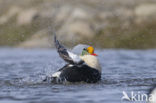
x,y
79,68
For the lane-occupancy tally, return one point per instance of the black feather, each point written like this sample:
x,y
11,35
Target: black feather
x,y
62,51
81,73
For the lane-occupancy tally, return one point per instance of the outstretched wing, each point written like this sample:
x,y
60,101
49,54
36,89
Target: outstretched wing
x,y
65,54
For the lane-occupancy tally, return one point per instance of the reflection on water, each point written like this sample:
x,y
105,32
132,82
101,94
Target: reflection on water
x,y
22,73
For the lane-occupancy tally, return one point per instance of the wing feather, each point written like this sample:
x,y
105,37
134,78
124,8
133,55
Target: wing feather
x,y
66,55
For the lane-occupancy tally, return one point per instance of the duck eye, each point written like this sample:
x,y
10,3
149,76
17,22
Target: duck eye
x,y
84,49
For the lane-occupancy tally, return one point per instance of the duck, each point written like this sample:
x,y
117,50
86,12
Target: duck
x,y
78,68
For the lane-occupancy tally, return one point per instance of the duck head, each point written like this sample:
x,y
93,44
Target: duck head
x,y
89,50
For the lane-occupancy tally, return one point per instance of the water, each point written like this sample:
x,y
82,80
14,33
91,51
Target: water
x,y
22,73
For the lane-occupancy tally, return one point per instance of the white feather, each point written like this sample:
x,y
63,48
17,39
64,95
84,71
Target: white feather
x,y
57,74
70,65
74,57
91,61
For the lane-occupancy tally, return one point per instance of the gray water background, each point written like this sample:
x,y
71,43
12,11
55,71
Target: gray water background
x,y
22,72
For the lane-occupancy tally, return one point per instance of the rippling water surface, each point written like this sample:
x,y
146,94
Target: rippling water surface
x,y
22,73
